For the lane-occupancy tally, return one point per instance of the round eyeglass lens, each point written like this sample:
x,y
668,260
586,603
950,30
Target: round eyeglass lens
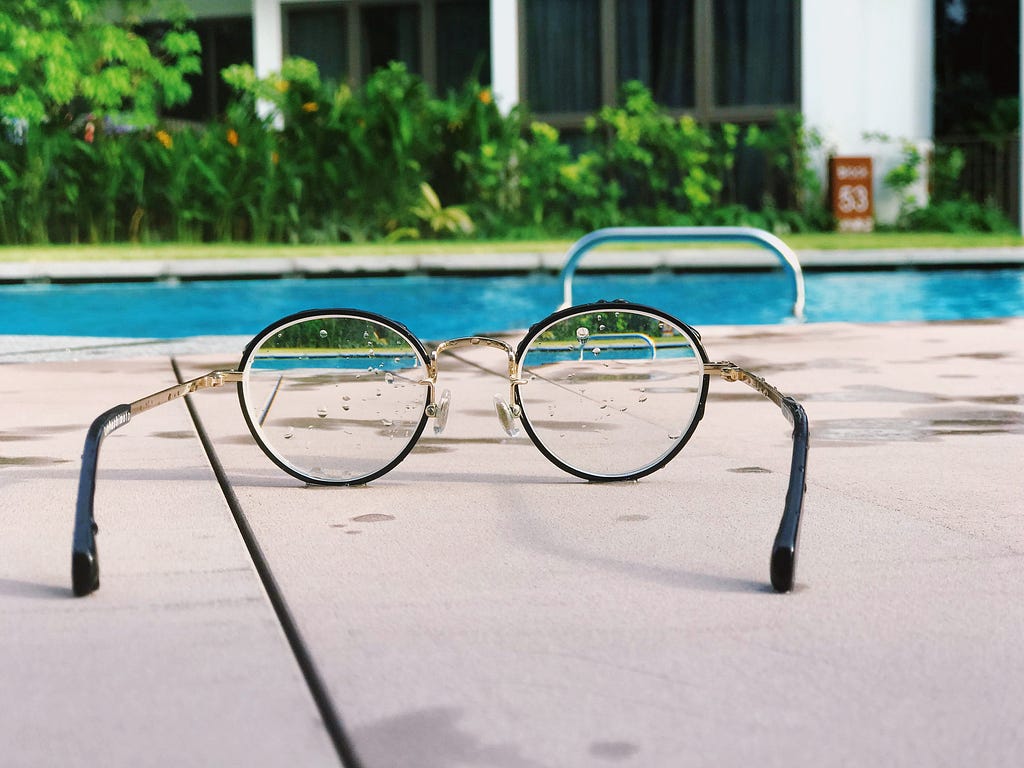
x,y
612,394
335,398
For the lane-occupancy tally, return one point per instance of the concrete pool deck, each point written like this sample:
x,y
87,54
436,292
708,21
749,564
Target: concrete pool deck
x,y
477,607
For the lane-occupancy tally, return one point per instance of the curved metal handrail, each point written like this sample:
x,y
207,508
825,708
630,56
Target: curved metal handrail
x,y
787,258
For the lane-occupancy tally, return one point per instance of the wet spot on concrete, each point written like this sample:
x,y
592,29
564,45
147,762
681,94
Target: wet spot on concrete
x,y
868,393
977,356
995,400
427,446
30,461
613,750
632,518
929,425
11,437
749,470
36,433
372,518
178,434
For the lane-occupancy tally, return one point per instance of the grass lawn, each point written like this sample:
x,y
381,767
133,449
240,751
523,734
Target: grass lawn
x,y
127,252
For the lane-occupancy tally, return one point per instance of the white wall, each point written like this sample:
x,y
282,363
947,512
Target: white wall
x,y
505,53
867,68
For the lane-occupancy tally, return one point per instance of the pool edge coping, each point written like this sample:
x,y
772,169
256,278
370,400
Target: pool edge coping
x,y
489,264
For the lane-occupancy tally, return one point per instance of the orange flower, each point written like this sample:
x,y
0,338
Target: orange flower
x,y
165,138
485,96
232,137
275,158
310,106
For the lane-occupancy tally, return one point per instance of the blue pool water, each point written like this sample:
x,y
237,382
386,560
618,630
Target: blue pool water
x,y
445,307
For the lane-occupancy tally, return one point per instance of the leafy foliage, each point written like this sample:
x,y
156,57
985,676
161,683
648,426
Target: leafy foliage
x,y
59,54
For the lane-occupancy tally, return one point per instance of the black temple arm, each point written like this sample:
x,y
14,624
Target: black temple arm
x,y
783,560
85,564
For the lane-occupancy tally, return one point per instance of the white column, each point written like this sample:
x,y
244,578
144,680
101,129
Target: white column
x,y
505,53
267,43
867,69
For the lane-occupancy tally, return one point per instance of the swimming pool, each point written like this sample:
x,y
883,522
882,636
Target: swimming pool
x,y
436,307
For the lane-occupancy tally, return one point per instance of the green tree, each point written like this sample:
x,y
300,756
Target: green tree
x,y
55,53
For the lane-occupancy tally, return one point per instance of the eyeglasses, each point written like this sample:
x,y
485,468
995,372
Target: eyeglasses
x,y
606,391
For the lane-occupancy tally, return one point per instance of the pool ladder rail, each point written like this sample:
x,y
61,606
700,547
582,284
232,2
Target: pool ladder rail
x,y
787,258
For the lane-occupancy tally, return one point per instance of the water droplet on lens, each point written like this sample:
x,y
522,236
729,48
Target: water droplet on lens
x,y
366,334
643,398
601,328
582,333
597,350
372,352
369,369
280,335
389,377
289,434
387,422
344,407
378,393
603,406
321,412
398,361
323,334
346,398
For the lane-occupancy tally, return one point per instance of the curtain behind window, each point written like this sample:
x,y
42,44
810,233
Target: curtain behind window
x,y
463,43
655,46
390,33
320,36
564,59
754,52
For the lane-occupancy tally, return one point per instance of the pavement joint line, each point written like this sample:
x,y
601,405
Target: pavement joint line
x,y
314,681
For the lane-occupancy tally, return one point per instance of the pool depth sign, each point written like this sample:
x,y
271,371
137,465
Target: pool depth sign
x,y
852,200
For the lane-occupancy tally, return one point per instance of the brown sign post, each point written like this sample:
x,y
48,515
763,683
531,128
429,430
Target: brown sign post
x,y
850,182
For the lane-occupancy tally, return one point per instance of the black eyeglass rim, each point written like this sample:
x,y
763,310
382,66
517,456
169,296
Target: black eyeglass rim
x,y
618,305
254,343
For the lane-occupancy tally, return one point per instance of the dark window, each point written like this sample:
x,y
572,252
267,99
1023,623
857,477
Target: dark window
x,y
717,59
655,46
320,35
754,52
463,43
224,42
563,55
391,33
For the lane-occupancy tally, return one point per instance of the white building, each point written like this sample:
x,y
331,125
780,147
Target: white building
x,y
854,69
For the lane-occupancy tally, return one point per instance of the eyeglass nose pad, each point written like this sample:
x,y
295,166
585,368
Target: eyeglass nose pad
x,y
441,412
507,416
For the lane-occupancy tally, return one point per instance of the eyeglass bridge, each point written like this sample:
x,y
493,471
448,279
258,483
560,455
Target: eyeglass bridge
x,y
508,411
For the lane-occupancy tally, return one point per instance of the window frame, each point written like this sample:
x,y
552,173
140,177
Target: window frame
x,y
357,73
705,110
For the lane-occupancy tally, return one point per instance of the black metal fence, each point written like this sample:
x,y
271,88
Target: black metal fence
x,y
991,171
